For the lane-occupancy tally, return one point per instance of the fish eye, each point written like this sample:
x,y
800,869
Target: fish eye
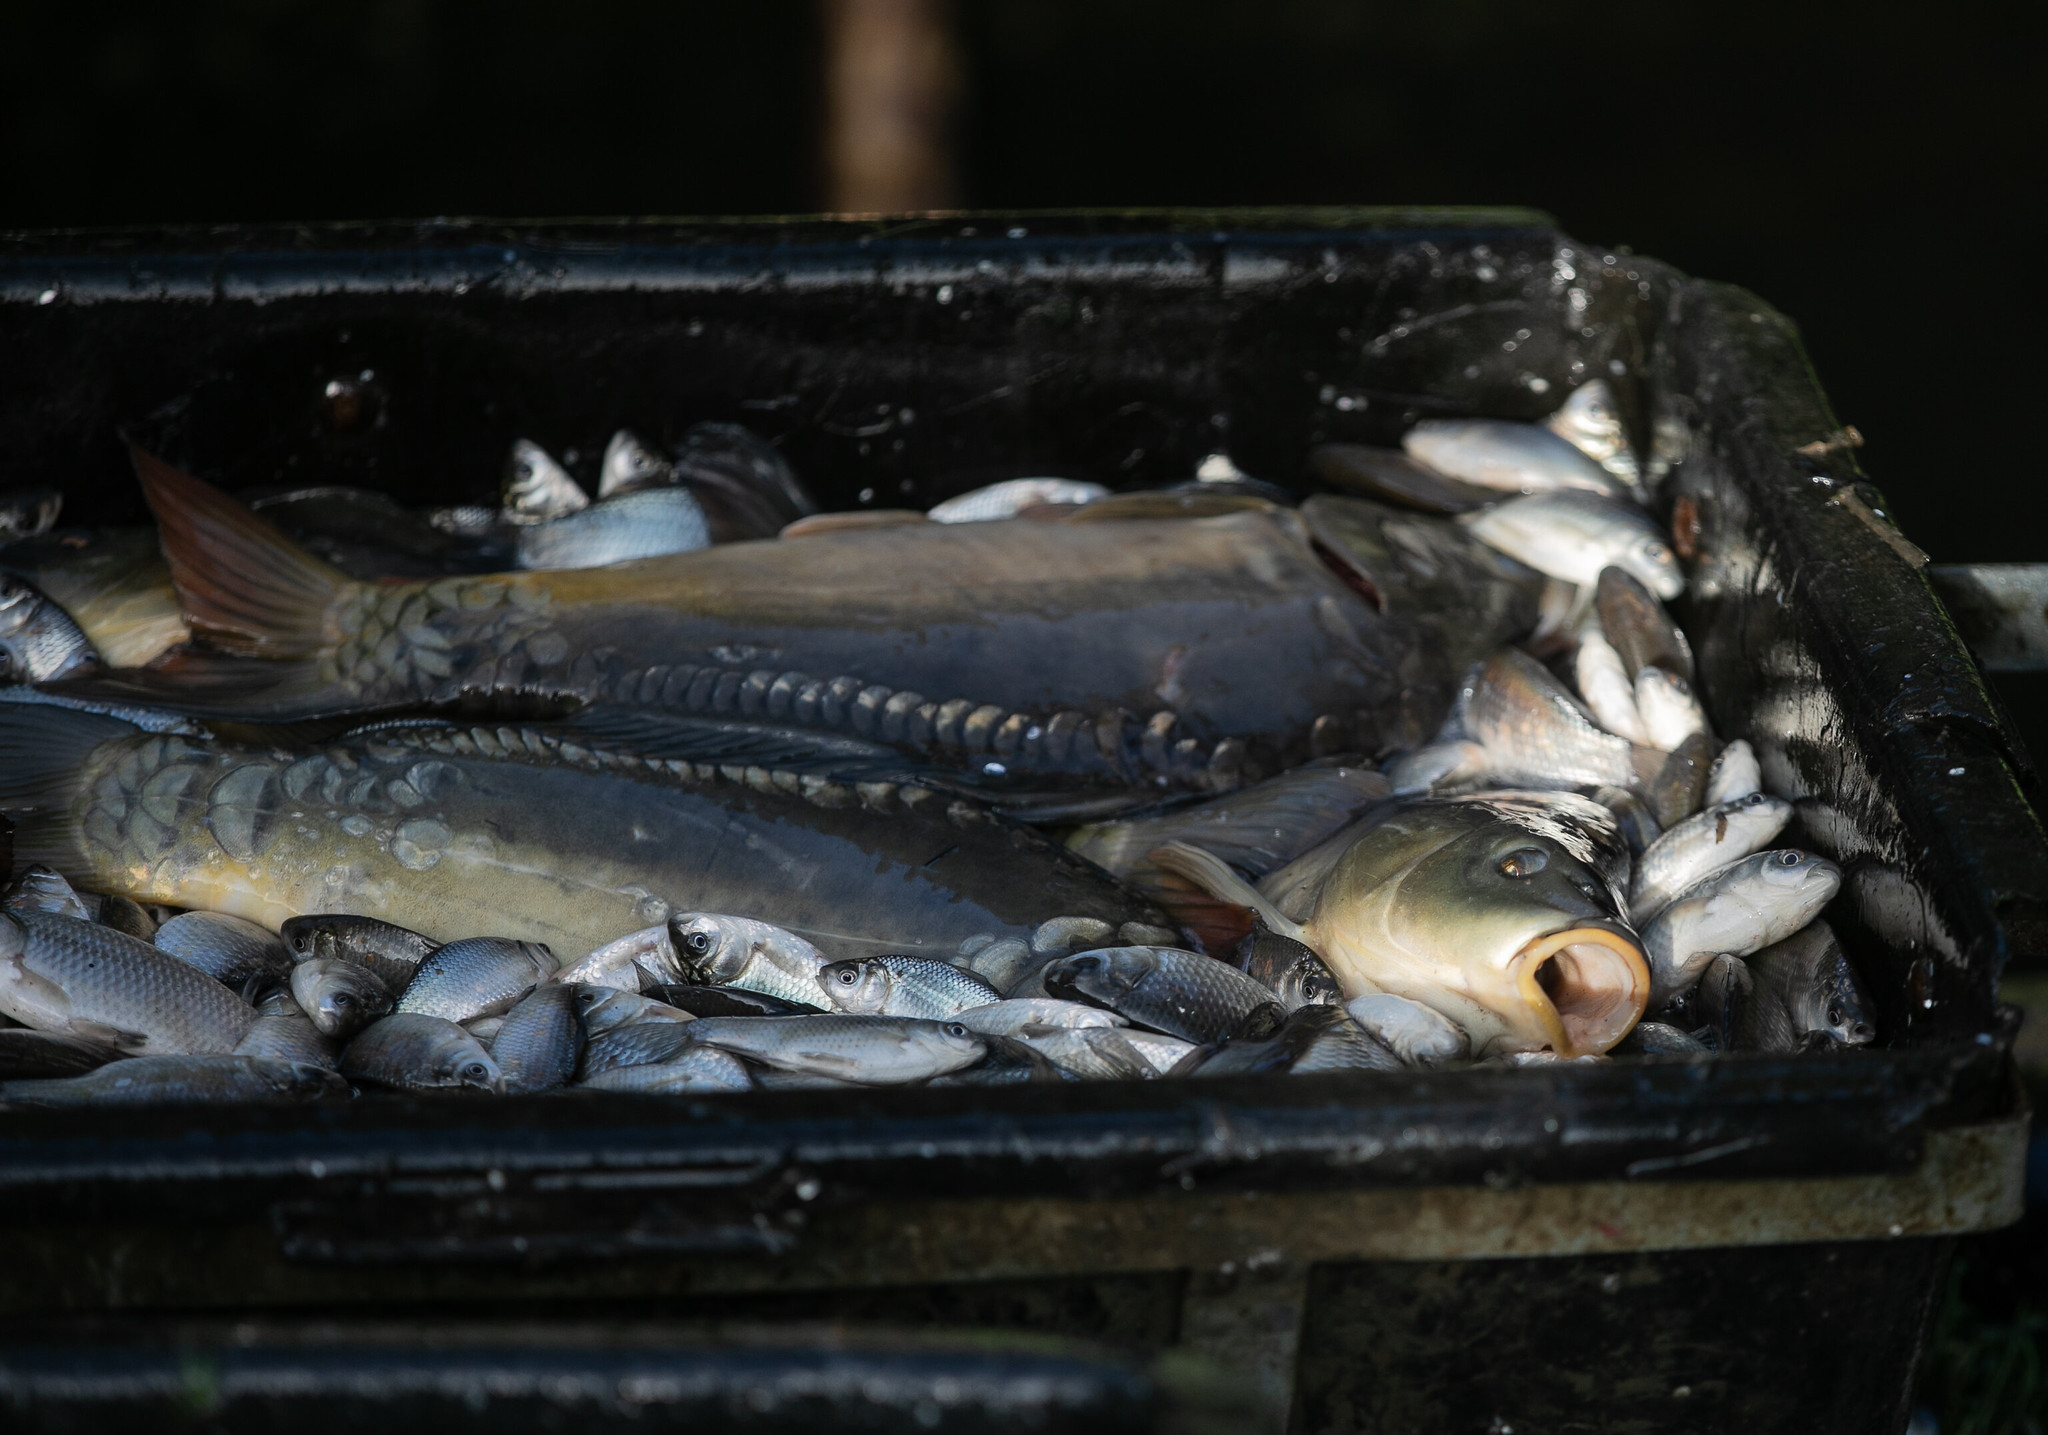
x,y
697,944
1524,862
846,977
475,1071
1834,1016
954,1028
1788,858
342,998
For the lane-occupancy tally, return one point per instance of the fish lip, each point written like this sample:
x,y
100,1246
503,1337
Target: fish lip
x,y
1592,1032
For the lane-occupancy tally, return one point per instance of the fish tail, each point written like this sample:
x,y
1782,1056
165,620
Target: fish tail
x,y
242,584
1216,904
43,751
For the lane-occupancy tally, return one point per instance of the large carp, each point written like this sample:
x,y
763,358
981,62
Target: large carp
x,y
558,834
1164,651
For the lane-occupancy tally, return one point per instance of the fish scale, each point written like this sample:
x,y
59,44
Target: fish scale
x,y
61,973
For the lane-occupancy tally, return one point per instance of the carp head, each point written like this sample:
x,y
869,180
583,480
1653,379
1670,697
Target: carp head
x,y
1499,927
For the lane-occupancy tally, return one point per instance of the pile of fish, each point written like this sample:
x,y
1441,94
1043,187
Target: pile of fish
x,y
694,788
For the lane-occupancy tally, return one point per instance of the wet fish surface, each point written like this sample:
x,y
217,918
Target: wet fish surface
x,y
868,1050
416,1052
228,949
903,986
393,952
541,1041
181,1080
1183,994
79,978
553,835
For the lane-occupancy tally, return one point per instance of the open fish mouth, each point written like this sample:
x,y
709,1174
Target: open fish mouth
x,y
1586,985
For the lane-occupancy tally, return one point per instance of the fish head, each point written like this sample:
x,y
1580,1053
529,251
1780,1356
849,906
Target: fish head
x,y
1793,886
950,1039
464,1062
1499,928
339,997
1102,977
312,937
1651,560
713,949
860,987
540,956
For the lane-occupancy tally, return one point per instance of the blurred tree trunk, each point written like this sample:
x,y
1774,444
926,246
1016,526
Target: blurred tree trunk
x,y
892,85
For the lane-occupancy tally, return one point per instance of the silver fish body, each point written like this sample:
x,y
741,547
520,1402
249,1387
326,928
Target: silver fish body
x,y
640,1043
1182,994
537,489
1656,1038
1508,457
1419,1035
1534,733
1670,713
182,1080
1012,497
1605,687
1009,1062
1807,994
415,1052
651,523
1008,1017
38,639
1703,843
1642,633
697,1070
1742,908
903,986
228,949
1296,976
339,998
394,953
870,1050
477,976
1161,1052
540,1041
1572,536
289,1036
1093,1053
62,974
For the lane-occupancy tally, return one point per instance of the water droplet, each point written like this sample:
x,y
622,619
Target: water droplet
x,y
48,296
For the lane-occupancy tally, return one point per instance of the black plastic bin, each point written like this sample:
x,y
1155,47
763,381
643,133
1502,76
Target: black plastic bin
x,y
1747,1243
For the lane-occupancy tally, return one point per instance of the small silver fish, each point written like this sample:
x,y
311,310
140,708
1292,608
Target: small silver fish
x,y
647,524
1703,843
1012,497
700,1069
339,998
1738,910
605,1009
1093,1053
228,949
1007,1018
1735,774
1312,1039
903,986
394,953
639,1043
1656,1038
38,639
1009,1062
1532,732
540,1041
1590,421
1670,712
1605,687
1572,536
723,951
477,976
870,1050
623,963
537,489
1807,995
38,889
1296,976
1418,1035
1508,457
182,1080
629,466
416,1052
1183,994
289,1036
65,975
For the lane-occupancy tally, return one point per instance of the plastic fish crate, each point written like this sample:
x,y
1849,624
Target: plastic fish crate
x,y
1750,1242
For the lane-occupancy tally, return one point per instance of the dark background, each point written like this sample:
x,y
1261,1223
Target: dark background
x,y
1870,171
